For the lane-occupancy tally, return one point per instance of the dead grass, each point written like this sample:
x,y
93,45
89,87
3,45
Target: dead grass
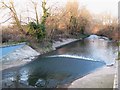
x,y
12,34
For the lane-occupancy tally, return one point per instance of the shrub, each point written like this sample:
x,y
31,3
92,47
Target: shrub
x,y
37,30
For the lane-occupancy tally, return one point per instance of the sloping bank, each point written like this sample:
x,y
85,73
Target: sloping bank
x,y
18,57
26,54
102,78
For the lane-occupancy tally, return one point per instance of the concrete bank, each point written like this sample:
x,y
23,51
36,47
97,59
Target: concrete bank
x,y
117,71
64,42
101,78
18,57
116,76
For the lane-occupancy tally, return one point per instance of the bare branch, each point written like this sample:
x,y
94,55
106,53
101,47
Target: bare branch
x,y
13,12
6,20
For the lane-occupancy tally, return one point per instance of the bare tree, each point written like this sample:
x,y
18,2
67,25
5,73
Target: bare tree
x,y
36,13
13,14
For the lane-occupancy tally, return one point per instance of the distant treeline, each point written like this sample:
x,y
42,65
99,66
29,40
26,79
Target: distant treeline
x,y
69,21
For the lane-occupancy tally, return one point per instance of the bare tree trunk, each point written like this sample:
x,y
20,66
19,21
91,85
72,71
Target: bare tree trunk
x,y
14,15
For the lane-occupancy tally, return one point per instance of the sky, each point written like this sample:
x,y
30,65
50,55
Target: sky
x,y
94,6
101,6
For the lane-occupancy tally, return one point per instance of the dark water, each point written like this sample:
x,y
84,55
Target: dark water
x,y
66,64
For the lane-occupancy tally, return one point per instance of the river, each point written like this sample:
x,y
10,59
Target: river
x,y
66,64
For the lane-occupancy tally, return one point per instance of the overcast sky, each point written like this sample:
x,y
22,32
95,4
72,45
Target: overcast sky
x,y
94,6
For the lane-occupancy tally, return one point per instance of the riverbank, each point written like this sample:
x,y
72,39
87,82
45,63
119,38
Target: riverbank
x,y
18,57
101,78
64,42
117,75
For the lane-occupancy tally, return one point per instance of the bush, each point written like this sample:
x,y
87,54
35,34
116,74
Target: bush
x,y
37,30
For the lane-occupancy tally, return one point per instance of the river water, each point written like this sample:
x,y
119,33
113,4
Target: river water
x,y
66,64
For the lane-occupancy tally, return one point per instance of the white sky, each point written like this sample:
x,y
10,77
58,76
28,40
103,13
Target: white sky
x,y
95,6
98,6
101,6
